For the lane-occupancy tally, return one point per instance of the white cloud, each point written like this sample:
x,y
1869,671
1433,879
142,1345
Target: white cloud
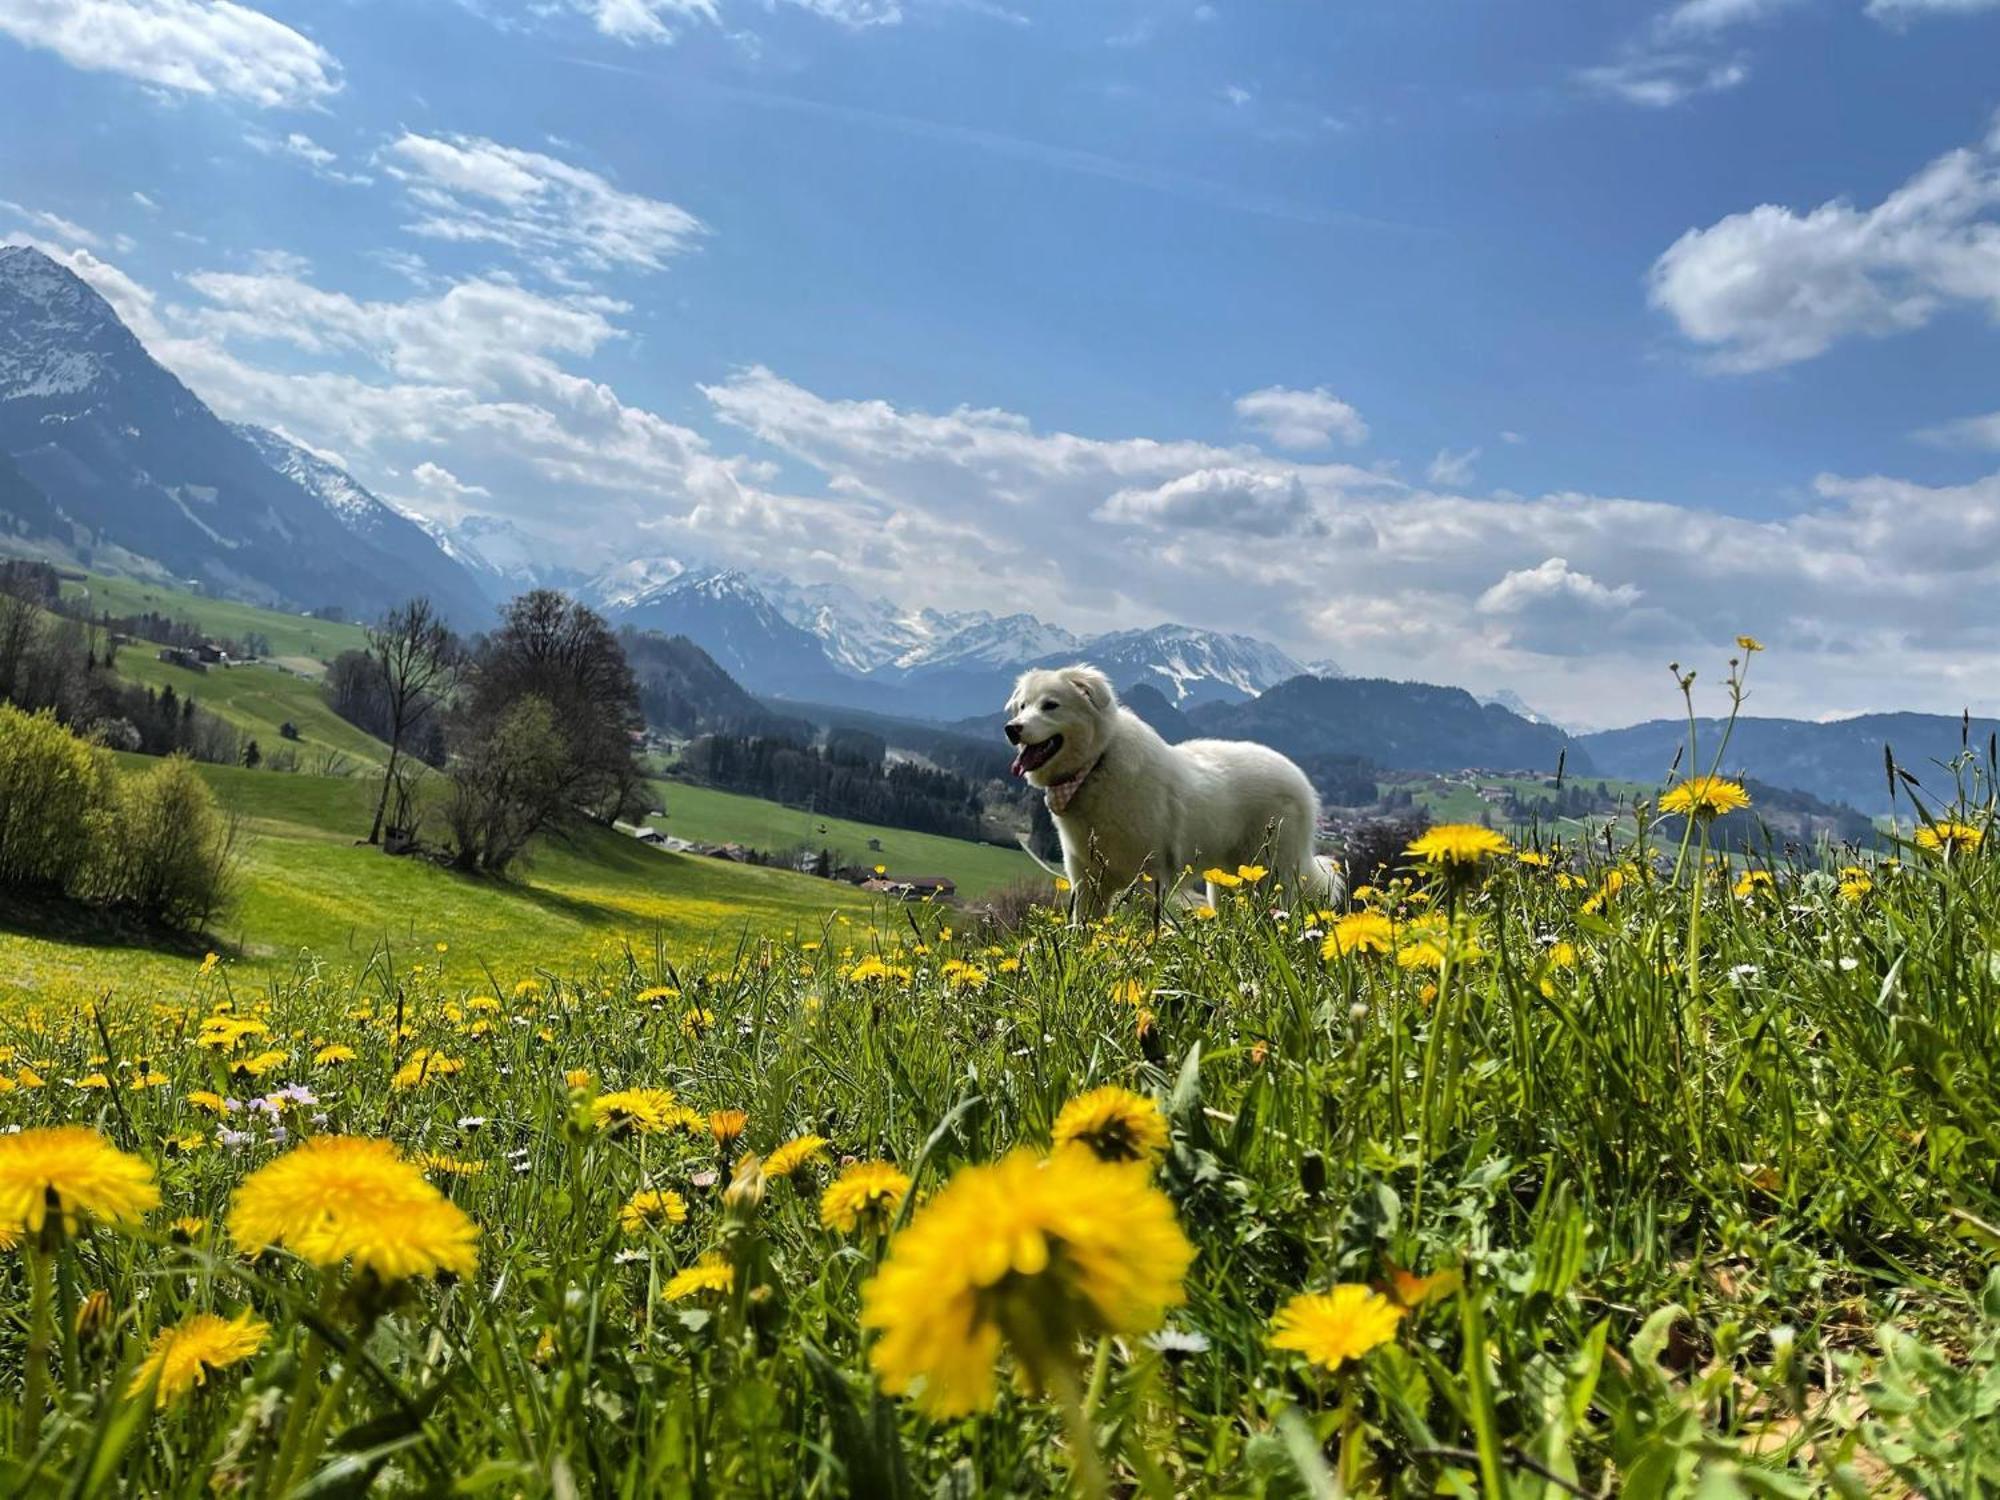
x,y
299,146
144,202
1660,80
1452,470
660,21
1966,432
469,189
1771,286
207,47
1229,500
54,224
1301,419
1716,15
1902,10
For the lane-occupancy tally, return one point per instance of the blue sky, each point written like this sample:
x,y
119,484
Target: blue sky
x,y
1520,344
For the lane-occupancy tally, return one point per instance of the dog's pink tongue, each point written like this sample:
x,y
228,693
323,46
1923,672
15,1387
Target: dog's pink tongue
x,y
1018,768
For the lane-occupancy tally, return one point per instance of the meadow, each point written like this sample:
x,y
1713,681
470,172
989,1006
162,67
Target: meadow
x,y
1532,1174
311,899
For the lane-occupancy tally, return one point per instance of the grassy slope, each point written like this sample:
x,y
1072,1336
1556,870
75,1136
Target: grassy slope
x,y
705,816
257,699
290,635
307,887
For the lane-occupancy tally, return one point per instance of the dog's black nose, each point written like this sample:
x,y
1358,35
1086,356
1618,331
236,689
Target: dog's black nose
x,y
1013,734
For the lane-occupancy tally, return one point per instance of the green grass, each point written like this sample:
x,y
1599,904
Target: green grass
x,y
310,895
290,635
258,699
1725,1230
703,815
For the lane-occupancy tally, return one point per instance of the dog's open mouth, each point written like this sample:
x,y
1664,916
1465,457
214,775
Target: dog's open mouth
x,y
1034,757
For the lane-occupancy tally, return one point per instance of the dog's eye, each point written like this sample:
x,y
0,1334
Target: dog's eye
x,y
1048,705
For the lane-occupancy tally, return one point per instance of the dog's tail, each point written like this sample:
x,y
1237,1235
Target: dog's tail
x,y
1325,879
1029,850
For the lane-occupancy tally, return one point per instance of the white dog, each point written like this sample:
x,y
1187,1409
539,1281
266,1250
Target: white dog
x,y
1126,803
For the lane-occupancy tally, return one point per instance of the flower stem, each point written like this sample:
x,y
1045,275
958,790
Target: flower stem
x,y
41,1338
302,1390
1087,1465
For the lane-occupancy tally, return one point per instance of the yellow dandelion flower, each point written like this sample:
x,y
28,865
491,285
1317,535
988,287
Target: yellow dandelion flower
x,y
262,1063
646,1111
866,1196
1531,858
651,1208
1251,874
725,1126
1948,837
1749,643
348,1198
1704,797
698,1020
1029,1254
872,969
1204,913
1114,1124
450,1166
69,1173
187,1228
579,1078
423,1065
1359,932
333,1055
795,1153
1855,884
1457,845
1330,1328
180,1357
709,1274
1222,879
1753,883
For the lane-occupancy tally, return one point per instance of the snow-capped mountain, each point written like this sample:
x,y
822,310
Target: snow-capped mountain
x,y
447,582
879,638
1326,666
1188,666
725,614
979,639
503,559
858,635
143,473
623,584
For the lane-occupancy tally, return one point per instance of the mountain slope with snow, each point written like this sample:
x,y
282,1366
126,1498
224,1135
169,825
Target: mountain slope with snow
x,y
138,466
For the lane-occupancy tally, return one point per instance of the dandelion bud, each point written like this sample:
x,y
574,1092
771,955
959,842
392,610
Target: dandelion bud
x,y
1312,1174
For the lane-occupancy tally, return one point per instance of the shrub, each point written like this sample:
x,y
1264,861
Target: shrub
x,y
154,843
55,793
173,858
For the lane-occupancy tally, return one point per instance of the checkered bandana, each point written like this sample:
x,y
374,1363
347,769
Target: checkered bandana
x,y
1060,793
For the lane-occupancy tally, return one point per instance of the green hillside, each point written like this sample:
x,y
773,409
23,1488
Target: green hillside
x,y
703,815
257,699
290,635
309,889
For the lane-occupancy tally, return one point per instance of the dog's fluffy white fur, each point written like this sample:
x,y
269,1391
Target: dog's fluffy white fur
x,y
1145,807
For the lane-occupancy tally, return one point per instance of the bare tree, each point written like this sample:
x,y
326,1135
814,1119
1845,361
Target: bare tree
x,y
414,651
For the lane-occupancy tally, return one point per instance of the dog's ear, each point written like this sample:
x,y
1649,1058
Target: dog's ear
x,y
1094,685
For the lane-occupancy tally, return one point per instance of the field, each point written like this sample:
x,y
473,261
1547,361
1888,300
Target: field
x,y
311,897
290,635
257,700
1533,1176
704,815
